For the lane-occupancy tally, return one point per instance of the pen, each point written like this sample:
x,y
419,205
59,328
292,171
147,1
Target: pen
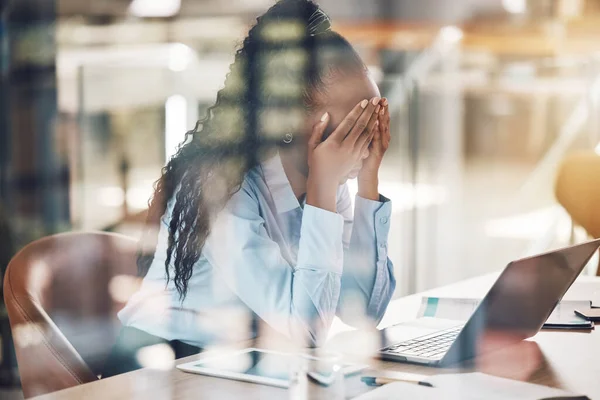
x,y
375,381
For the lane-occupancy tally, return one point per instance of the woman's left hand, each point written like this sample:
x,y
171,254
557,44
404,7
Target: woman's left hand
x,y
378,146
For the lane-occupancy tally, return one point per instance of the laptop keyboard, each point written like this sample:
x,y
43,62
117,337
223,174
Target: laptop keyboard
x,y
428,346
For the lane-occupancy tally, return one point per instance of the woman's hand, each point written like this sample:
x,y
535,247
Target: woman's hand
x,y
368,178
331,160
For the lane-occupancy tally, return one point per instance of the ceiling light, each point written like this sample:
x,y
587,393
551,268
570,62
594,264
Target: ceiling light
x,y
154,8
451,34
180,57
515,6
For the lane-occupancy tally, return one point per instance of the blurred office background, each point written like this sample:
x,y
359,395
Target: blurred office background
x,y
488,96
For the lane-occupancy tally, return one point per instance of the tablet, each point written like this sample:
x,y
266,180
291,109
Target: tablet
x,y
260,366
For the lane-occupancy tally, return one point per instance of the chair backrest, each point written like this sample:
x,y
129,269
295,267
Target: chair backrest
x,y
578,190
62,293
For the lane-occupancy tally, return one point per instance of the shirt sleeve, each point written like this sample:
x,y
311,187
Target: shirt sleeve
x,y
368,281
298,301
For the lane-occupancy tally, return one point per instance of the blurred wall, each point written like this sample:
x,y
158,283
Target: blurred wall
x,y
414,10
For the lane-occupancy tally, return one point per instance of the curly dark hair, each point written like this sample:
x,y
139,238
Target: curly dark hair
x,y
285,58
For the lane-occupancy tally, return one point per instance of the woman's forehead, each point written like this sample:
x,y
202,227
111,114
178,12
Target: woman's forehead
x,y
346,92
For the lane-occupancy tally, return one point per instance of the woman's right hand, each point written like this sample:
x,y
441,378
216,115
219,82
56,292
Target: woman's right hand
x,y
332,159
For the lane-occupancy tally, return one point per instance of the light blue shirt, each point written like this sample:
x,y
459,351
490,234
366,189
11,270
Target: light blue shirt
x,y
294,266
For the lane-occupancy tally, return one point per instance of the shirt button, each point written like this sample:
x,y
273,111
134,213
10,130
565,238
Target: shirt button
x,y
383,245
383,220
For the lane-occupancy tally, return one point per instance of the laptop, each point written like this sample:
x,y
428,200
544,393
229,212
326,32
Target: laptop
x,y
515,308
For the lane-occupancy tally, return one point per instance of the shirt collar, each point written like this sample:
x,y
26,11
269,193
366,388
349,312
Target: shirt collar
x,y
279,185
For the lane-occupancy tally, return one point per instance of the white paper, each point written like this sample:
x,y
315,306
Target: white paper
x,y
447,308
401,390
471,386
462,309
564,313
477,385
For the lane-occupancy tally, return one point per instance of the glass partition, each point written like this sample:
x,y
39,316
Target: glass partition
x,y
134,111
477,137
488,134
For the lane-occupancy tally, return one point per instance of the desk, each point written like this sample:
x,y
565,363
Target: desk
x,y
566,360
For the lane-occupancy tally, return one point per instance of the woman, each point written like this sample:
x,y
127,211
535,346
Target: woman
x,y
252,218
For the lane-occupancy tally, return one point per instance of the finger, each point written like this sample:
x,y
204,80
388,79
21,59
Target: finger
x,y
371,126
369,143
384,106
384,119
362,123
316,136
371,130
372,139
380,128
385,131
386,137
346,125
378,135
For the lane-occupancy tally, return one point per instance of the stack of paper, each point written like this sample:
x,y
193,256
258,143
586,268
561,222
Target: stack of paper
x,y
472,386
563,316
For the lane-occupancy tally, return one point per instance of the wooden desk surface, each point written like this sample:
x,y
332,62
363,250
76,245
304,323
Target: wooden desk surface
x,y
566,360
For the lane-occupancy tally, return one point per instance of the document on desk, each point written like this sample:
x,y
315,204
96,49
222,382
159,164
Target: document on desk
x,y
471,386
563,316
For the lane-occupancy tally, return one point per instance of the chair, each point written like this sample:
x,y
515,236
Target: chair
x,y
62,293
578,190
